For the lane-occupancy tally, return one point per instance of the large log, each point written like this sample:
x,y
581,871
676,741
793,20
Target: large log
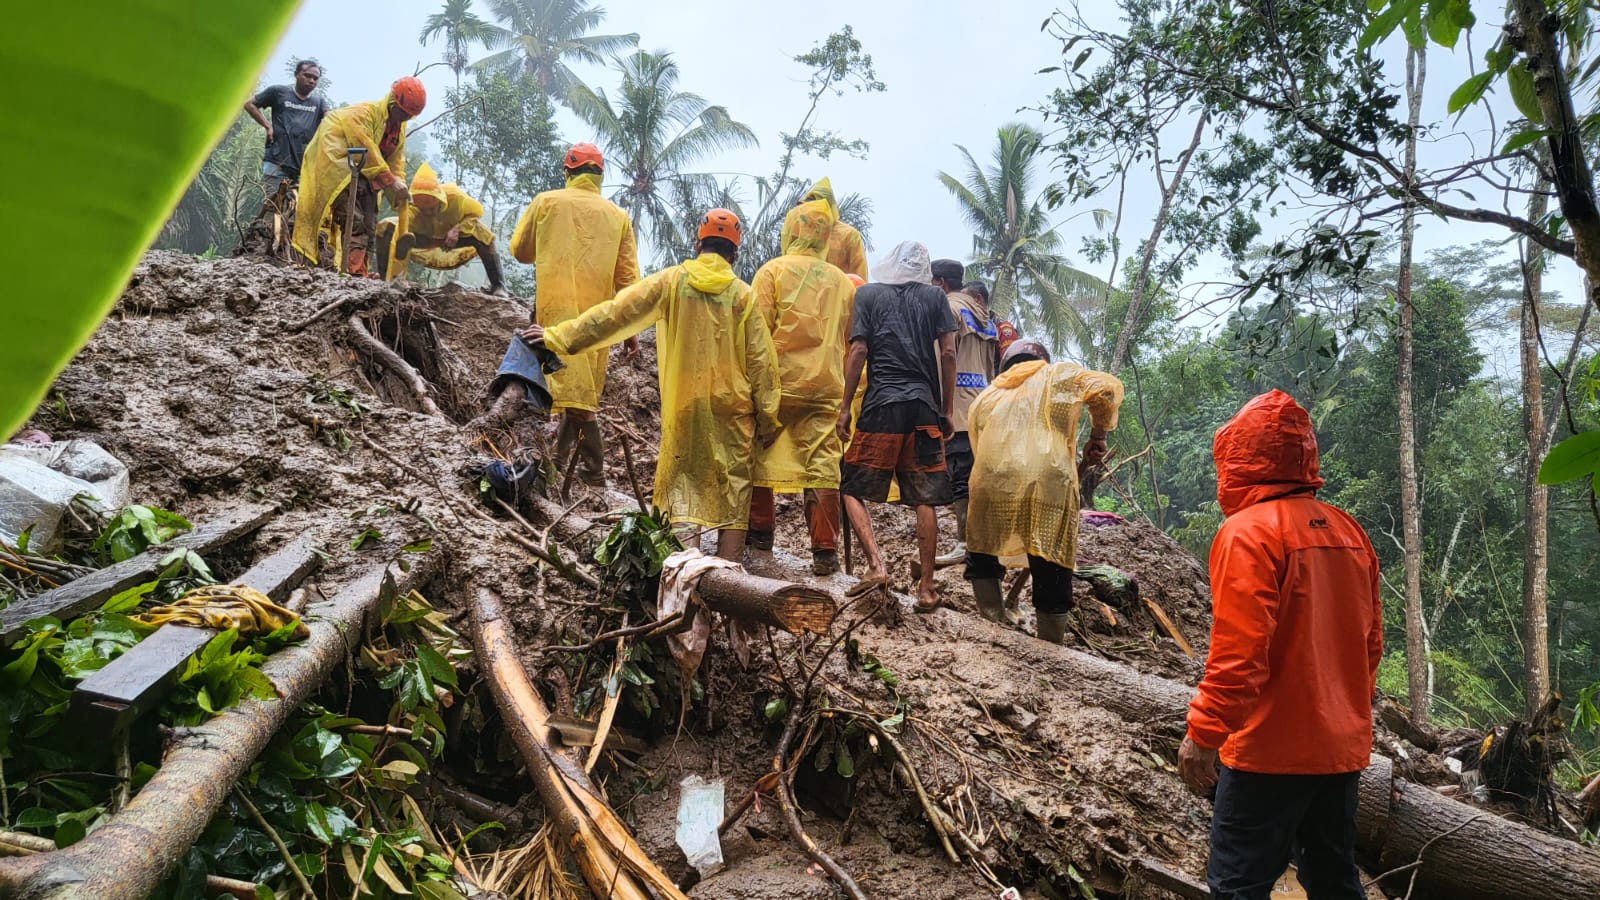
x,y
125,858
795,608
608,857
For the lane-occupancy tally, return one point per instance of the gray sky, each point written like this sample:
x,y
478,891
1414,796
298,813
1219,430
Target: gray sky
x,y
955,72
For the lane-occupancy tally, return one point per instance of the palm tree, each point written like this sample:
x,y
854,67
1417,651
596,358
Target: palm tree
x,y
651,134
461,28
1014,243
541,36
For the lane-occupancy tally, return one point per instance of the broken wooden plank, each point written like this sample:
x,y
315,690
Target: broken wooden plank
x,y
579,733
133,683
1167,625
83,595
1158,875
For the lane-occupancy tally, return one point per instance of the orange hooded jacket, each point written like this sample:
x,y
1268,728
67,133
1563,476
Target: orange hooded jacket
x,y
1297,624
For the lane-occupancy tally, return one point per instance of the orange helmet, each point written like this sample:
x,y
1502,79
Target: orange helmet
x,y
409,95
721,223
585,154
855,279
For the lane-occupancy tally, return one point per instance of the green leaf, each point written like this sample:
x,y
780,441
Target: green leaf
x,y
129,599
776,708
843,763
360,540
1520,80
36,818
437,667
1470,91
422,546
1446,19
1523,139
1576,457
1381,26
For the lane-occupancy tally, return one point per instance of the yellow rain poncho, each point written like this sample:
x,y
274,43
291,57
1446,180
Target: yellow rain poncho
x,y
431,226
806,303
718,377
845,248
325,171
582,248
1024,428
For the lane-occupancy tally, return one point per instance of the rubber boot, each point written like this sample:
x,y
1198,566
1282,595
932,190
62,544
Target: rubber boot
x,y
991,604
1013,610
959,552
591,454
1053,627
566,436
491,269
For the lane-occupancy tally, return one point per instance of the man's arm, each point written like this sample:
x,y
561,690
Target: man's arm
x,y
1244,591
524,238
761,367
253,108
855,358
947,379
623,316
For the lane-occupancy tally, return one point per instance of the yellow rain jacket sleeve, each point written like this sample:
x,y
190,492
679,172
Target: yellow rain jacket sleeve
x,y
1024,429
583,251
807,304
325,172
719,382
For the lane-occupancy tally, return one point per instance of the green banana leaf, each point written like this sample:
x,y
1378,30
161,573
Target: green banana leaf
x,y
111,108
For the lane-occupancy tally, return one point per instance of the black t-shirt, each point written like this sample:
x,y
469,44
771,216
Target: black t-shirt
x,y
294,121
901,325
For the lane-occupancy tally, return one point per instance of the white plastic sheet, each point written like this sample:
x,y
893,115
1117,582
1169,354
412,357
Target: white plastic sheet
x,y
699,814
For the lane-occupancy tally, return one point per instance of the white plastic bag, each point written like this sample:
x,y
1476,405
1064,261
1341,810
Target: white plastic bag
x,y
699,814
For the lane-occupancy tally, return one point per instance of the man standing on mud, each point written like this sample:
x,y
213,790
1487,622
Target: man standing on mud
x,y
976,362
296,112
905,416
1296,637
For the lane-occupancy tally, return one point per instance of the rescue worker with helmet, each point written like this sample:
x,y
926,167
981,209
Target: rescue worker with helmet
x,y
1024,487
845,249
447,231
806,303
325,184
583,251
717,370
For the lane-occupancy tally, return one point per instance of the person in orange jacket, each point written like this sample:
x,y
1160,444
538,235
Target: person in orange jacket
x,y
1296,635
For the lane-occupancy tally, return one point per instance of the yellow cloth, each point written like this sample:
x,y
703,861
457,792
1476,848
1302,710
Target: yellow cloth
x,y
845,248
806,304
718,376
582,247
432,225
324,171
224,606
1024,429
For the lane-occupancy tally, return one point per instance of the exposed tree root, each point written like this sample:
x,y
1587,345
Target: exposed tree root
x,y
395,364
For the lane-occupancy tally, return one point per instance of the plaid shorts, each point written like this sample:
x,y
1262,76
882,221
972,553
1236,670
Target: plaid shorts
x,y
899,442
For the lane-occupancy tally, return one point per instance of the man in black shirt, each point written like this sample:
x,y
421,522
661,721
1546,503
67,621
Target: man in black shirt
x,y
904,333
296,113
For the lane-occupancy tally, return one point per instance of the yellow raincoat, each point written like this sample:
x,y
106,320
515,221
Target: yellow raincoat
x,y
807,305
846,249
431,226
325,171
581,245
1024,428
718,376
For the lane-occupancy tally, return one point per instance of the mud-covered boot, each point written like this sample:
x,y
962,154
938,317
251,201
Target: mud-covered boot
x,y
824,562
991,605
591,454
959,552
1053,627
491,269
566,436
1013,610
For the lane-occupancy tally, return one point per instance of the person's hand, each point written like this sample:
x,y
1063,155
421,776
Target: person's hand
x,y
451,236
1197,766
947,428
269,132
630,349
533,335
844,425
1094,450
397,192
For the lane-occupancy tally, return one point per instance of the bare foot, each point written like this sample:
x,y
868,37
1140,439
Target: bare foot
x,y
927,601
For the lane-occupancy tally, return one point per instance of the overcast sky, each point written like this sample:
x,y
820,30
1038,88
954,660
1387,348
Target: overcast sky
x,y
956,70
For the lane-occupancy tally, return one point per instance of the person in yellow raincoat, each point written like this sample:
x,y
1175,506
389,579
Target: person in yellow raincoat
x,y
378,127
447,231
718,374
846,249
583,251
1024,489
806,303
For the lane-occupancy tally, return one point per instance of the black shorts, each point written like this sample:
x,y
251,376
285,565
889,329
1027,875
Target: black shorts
x,y
1052,584
899,442
958,460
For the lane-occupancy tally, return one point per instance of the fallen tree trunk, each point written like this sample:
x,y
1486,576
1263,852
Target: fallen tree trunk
x,y
610,860
14,843
795,608
1460,852
127,857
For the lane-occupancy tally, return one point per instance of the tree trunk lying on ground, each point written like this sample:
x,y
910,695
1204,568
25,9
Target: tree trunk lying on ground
x,y
610,860
1460,852
127,857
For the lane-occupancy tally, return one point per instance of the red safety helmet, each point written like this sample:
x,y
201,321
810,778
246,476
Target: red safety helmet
x,y
409,95
585,154
855,279
721,223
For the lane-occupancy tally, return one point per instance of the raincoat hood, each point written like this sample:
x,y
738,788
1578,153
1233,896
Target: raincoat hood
x,y
1017,374
1266,451
709,274
584,181
426,182
806,228
907,262
823,190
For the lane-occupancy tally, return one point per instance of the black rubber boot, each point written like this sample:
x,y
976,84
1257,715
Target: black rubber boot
x,y
491,268
591,454
566,436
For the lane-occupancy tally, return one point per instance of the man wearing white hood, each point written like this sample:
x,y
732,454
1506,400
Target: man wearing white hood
x,y
903,332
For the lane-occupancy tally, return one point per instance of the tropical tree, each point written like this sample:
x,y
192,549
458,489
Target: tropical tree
x,y
1015,244
651,134
541,36
460,28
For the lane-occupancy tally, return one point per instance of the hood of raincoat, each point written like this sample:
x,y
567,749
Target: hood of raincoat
x,y
426,182
1266,451
907,262
823,190
709,274
584,181
806,229
1017,374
